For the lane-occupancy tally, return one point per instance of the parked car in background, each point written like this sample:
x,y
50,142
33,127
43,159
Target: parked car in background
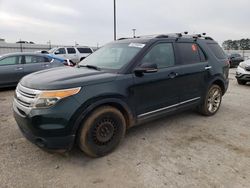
x,y
243,72
235,59
16,65
74,54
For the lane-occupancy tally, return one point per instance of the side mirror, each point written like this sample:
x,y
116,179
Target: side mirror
x,y
146,68
57,52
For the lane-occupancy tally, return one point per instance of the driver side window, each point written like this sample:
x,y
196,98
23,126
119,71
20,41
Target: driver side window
x,y
61,51
161,54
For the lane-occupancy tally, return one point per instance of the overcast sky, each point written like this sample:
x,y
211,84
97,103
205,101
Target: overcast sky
x,y
91,22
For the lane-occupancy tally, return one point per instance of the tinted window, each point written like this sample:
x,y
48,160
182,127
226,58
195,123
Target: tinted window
x,y
217,50
190,53
71,50
161,54
84,50
35,59
10,60
60,51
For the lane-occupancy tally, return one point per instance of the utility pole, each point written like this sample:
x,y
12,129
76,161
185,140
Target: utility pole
x,y
134,32
49,42
21,45
114,19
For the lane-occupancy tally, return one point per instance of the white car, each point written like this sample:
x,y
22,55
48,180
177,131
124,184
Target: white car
x,y
243,72
74,54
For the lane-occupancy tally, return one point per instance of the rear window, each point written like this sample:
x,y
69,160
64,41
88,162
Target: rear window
x,y
10,60
217,51
71,50
190,53
84,50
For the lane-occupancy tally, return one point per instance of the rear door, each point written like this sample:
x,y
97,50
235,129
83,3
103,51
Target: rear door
x,y
193,71
35,63
11,70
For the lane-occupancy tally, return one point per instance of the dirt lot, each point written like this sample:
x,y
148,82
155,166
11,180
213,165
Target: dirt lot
x,y
184,150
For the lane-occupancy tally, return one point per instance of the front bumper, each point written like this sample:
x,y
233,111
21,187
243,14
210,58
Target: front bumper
x,y
242,74
50,128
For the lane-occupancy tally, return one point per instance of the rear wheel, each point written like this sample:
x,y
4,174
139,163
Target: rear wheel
x,y
212,101
241,82
102,131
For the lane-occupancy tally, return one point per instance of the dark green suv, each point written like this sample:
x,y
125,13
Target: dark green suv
x,y
125,83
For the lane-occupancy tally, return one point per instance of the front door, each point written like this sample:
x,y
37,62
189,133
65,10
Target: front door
x,y
72,55
157,92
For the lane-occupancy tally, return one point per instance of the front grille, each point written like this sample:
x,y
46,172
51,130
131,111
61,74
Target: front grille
x,y
25,96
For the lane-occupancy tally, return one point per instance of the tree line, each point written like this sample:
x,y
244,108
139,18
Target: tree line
x,y
242,44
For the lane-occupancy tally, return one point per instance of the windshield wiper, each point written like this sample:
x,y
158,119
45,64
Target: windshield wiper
x,y
90,67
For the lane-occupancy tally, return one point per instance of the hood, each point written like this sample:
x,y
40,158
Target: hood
x,y
65,77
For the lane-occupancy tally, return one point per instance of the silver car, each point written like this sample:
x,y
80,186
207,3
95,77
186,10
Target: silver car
x,y
16,65
243,72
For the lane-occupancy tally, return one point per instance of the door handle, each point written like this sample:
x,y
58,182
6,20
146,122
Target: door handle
x,y
173,75
19,68
208,67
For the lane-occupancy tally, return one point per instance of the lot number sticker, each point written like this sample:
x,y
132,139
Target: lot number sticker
x,y
136,45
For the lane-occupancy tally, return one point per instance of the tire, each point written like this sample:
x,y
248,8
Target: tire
x,y
212,101
241,82
102,131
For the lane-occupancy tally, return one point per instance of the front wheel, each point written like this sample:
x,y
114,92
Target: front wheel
x,y
102,131
212,101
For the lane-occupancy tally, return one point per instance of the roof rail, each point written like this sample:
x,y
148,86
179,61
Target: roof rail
x,y
175,35
123,38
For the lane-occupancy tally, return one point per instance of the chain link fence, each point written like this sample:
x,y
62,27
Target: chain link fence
x,y
22,47
243,53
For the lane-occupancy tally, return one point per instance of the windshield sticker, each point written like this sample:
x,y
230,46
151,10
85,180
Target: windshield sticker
x,y
136,45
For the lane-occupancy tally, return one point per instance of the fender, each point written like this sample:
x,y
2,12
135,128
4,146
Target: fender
x,y
217,78
90,105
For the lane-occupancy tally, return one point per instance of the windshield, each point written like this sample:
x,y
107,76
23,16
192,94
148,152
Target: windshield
x,y
113,56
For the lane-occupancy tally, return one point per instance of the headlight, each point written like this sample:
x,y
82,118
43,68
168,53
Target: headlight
x,y
49,98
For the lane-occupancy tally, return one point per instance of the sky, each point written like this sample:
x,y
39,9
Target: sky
x,y
90,23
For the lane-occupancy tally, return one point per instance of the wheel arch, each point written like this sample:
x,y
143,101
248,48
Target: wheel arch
x,y
220,82
85,110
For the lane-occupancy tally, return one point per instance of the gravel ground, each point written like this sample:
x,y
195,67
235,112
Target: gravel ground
x,y
184,150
